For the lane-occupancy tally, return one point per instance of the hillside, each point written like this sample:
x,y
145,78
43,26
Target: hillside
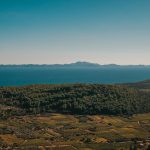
x,y
75,132
74,116
143,85
73,99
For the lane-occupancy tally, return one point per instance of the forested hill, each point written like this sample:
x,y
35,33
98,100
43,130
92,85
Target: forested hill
x,y
73,99
143,85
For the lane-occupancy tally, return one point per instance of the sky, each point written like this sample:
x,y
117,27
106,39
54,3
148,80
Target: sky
x,y
66,31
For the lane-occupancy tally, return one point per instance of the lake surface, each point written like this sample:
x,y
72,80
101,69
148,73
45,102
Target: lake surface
x,y
17,76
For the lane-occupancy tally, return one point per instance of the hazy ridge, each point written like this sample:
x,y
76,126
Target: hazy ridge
x,y
76,64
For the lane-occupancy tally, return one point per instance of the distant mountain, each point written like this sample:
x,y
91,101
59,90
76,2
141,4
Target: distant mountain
x,y
83,64
79,64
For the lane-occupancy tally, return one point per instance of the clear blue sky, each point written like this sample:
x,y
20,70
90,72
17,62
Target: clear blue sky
x,y
64,31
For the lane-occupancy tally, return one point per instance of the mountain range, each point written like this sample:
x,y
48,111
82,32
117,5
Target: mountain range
x,y
79,64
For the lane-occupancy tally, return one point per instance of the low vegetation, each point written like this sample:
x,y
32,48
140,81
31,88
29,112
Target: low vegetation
x,y
75,132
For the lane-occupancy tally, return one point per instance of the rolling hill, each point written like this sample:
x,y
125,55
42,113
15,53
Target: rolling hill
x,y
74,99
75,116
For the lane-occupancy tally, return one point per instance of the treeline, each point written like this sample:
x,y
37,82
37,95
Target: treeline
x,y
73,99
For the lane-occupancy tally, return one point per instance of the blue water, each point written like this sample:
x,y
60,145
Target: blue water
x,y
10,76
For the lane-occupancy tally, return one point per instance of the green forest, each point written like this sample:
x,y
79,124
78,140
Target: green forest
x,y
73,99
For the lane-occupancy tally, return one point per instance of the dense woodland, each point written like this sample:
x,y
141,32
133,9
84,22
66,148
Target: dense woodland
x,y
73,99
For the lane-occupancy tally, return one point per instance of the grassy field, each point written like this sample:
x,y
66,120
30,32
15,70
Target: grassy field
x,y
72,132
